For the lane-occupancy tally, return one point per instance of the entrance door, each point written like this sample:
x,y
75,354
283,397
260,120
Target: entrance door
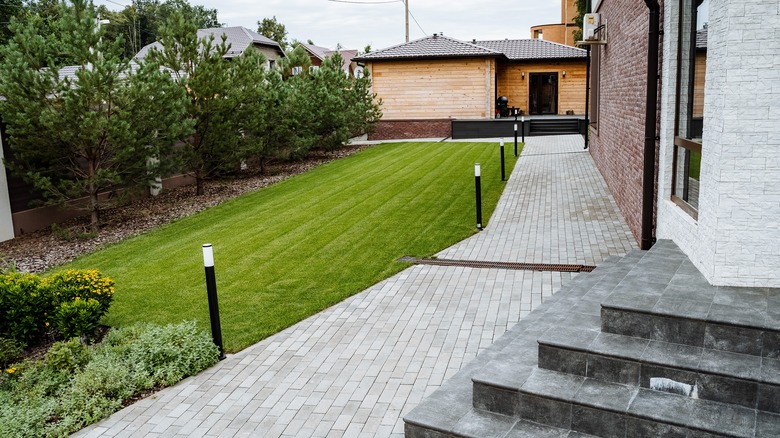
x,y
543,97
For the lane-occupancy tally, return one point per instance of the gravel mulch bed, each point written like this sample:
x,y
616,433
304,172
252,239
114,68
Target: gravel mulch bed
x,y
42,250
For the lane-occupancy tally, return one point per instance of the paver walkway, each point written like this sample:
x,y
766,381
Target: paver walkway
x,y
357,367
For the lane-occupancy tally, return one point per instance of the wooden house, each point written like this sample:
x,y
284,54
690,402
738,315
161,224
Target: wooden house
x,y
427,83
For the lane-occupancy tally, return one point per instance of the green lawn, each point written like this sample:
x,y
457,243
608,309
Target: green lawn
x,y
290,250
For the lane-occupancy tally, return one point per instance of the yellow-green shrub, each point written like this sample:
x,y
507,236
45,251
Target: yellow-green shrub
x,y
69,302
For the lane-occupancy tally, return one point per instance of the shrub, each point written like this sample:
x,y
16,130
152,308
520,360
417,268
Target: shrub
x,y
10,350
27,417
78,318
24,307
97,392
172,352
68,356
74,300
85,284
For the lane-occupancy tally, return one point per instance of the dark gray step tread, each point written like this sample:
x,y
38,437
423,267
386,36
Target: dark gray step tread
x,y
480,424
454,399
625,401
572,307
665,354
666,283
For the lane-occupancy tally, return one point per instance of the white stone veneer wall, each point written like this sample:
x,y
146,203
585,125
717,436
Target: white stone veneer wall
x,y
736,240
6,220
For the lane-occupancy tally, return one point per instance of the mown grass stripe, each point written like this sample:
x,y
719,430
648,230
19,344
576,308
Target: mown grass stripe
x,y
289,250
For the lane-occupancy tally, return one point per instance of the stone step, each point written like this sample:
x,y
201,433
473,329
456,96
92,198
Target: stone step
x,y
717,375
665,298
607,409
497,383
440,413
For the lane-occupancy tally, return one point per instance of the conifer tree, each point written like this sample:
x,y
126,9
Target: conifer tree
x,y
215,97
80,131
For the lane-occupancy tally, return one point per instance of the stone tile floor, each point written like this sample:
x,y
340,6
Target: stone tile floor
x,y
356,368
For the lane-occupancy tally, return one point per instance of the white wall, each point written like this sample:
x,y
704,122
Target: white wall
x,y
736,240
6,221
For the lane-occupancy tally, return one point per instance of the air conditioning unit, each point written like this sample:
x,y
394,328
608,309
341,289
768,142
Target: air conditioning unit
x,y
590,27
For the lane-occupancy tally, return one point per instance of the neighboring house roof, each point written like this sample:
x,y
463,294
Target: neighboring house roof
x,y
239,38
527,49
69,71
439,46
319,52
701,38
435,46
323,52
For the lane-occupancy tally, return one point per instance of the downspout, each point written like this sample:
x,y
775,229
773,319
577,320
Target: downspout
x,y
587,96
651,118
587,83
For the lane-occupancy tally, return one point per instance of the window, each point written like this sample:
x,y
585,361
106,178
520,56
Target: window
x,y
689,117
271,64
538,34
297,70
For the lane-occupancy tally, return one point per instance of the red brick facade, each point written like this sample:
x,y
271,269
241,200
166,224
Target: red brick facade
x,y
410,129
617,134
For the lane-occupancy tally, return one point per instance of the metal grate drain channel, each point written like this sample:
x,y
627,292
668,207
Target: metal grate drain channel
x,y
500,265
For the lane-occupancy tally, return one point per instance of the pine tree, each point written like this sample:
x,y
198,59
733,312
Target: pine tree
x,y
80,131
201,70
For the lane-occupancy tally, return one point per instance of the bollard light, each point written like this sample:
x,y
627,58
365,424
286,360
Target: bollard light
x,y
522,120
477,172
503,167
211,290
515,135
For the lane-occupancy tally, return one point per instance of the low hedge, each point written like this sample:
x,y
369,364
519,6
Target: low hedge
x,y
79,384
65,304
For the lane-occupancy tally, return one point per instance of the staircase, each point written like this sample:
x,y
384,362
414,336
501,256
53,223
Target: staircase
x,y
554,126
641,347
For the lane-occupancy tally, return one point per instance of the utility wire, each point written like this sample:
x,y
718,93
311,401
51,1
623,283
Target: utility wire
x,y
375,2
418,24
370,2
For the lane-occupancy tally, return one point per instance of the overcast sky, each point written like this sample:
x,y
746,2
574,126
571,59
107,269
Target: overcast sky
x,y
381,22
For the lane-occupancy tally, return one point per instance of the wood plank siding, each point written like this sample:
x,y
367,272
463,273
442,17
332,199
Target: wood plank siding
x,y
435,88
571,89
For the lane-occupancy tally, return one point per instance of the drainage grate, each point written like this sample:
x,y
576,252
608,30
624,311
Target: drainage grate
x,y
499,265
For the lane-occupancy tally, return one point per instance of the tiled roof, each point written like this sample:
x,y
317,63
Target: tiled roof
x,y
320,52
701,38
347,55
526,49
323,52
436,46
439,46
238,37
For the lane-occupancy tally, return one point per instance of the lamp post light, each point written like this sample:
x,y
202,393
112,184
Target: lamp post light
x,y
503,171
479,195
211,289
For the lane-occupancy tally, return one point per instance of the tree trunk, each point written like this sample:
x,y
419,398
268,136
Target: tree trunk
x,y
199,191
94,209
95,215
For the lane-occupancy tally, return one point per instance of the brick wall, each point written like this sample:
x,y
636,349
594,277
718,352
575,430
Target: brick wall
x,y
617,142
410,129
